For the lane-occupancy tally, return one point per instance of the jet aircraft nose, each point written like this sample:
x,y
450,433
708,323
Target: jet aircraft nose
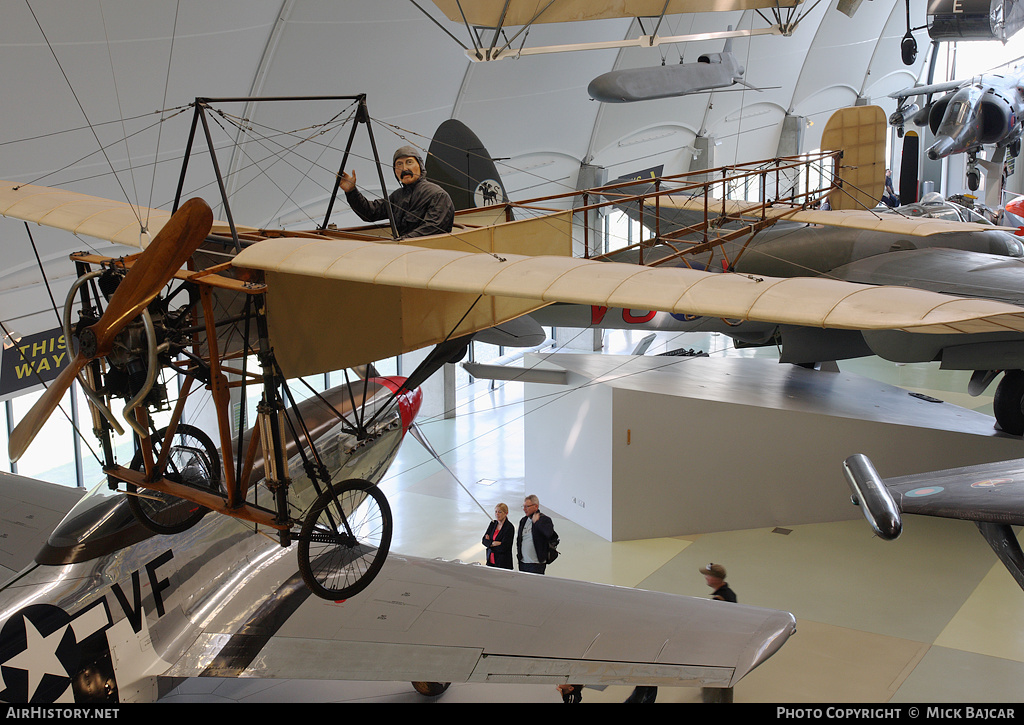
x,y
941,148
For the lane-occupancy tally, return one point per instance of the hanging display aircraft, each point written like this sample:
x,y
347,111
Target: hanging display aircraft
x,y
687,222
987,110
247,290
712,71
493,17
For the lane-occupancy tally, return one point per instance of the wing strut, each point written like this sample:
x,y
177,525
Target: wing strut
x,y
1002,540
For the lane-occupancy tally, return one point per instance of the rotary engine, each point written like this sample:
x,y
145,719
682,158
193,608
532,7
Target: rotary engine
x,y
129,360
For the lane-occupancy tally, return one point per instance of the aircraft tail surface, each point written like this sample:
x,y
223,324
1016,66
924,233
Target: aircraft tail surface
x,y
459,163
859,132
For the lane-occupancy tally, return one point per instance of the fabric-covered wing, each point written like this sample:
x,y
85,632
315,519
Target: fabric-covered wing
x,y
358,318
491,13
91,216
292,265
949,271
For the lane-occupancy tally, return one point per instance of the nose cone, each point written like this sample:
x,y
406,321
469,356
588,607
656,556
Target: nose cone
x,y
609,88
941,148
409,401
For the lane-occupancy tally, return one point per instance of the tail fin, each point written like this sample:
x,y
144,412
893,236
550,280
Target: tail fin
x,y
459,163
859,132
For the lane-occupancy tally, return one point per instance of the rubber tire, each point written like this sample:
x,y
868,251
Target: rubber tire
x,y
165,514
1006,403
431,689
373,526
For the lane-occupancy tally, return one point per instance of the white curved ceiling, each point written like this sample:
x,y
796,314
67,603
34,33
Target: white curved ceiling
x,y
87,74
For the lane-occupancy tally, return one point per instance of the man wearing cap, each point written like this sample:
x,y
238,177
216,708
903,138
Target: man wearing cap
x,y
714,575
420,207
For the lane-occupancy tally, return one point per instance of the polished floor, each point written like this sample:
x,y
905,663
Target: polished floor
x,y
931,617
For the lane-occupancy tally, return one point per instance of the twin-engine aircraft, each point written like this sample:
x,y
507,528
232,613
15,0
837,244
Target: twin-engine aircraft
x,y
970,114
141,583
689,222
989,494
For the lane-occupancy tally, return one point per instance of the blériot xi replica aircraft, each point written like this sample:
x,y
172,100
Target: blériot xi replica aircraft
x,y
140,584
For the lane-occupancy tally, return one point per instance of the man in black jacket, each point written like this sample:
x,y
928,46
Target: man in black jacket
x,y
714,575
535,533
420,207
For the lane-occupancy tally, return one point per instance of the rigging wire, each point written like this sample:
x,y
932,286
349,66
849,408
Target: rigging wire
x,y
167,84
81,107
120,111
179,110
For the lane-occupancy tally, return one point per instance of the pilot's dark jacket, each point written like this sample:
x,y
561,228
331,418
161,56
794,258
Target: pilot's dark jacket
x,y
421,208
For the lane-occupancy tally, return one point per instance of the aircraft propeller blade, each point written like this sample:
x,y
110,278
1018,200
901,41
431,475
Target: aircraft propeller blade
x,y
26,430
155,267
169,250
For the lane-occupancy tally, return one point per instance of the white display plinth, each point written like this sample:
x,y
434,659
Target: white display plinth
x,y
641,447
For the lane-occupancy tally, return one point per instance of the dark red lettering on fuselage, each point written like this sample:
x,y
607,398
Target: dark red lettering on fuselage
x,y
635,317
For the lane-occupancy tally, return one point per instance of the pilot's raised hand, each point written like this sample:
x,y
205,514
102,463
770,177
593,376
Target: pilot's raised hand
x,y
347,182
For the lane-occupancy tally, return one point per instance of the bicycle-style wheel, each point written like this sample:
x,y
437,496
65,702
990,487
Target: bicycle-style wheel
x,y
193,460
345,539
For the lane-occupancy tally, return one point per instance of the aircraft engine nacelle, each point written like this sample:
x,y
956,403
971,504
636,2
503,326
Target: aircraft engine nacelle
x,y
920,119
935,112
997,118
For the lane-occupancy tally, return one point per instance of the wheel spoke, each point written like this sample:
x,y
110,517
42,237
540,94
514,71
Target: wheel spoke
x,y
345,539
192,460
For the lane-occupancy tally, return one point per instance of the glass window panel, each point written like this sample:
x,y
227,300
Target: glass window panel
x,y
51,456
384,367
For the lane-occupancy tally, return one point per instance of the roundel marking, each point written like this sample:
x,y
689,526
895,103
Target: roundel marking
x,y
926,491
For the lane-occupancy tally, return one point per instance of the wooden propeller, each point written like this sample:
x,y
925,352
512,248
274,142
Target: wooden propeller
x,y
154,268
